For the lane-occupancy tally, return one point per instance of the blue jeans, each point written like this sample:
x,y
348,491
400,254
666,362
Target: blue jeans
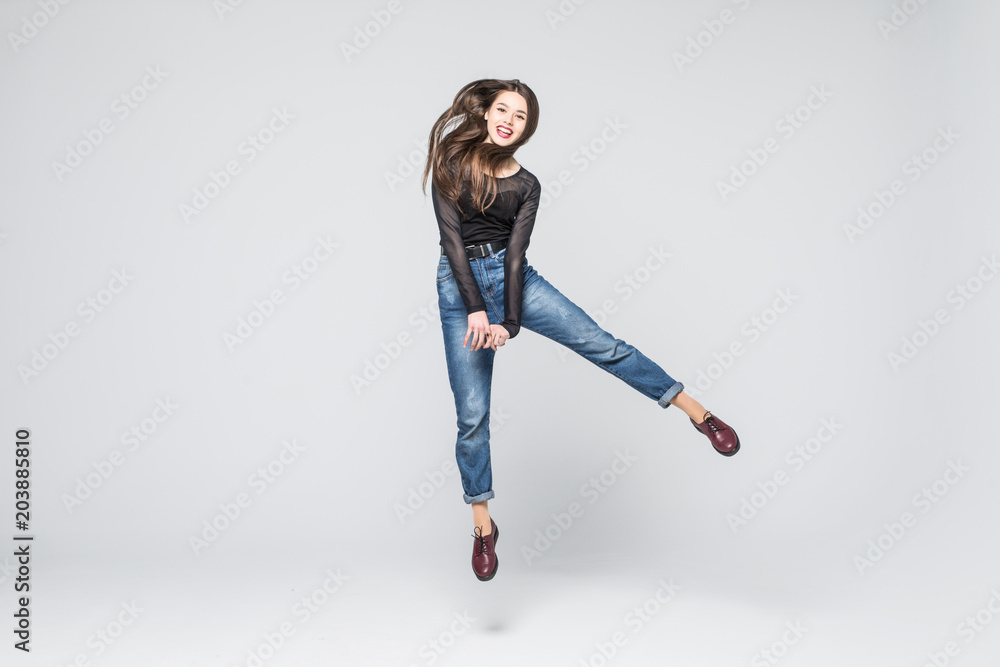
x,y
545,311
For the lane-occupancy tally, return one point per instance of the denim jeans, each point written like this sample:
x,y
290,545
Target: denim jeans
x,y
545,311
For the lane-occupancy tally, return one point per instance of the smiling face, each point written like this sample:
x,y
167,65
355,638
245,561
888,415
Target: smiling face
x,y
506,118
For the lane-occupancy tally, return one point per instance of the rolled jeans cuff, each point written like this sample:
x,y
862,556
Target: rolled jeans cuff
x,y
664,400
477,498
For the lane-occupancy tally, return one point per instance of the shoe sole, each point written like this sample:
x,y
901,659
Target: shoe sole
x,y
496,561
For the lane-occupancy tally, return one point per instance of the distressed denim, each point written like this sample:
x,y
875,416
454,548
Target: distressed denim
x,y
544,311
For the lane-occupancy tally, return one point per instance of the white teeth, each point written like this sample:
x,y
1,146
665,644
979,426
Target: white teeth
x,y
505,131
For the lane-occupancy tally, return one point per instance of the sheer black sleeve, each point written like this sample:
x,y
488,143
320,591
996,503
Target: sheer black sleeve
x,y
514,259
450,225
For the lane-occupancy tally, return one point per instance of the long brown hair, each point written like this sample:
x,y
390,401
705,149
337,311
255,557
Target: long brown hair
x,y
462,157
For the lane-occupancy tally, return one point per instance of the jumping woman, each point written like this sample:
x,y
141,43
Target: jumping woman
x,y
485,204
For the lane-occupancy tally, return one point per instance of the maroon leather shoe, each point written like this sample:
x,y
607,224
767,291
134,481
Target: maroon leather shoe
x,y
484,559
723,438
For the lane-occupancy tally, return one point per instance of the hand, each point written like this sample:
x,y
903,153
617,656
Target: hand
x,y
498,336
479,329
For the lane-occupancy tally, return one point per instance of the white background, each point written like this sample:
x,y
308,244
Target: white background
x,y
346,169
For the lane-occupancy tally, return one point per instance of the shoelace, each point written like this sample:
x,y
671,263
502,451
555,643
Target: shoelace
x,y
481,538
710,420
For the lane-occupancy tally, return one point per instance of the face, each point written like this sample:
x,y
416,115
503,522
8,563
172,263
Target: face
x,y
505,120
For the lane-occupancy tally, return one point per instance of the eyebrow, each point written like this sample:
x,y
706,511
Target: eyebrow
x,y
517,110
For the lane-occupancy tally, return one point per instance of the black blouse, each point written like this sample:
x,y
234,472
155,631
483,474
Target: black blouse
x,y
510,216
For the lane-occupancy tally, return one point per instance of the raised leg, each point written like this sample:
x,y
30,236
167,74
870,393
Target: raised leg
x,y
547,311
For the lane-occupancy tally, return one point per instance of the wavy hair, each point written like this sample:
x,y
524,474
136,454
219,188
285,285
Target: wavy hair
x,y
458,152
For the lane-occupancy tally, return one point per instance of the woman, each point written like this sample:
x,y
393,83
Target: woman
x,y
485,204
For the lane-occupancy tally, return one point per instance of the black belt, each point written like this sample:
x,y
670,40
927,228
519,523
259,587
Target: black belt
x,y
474,251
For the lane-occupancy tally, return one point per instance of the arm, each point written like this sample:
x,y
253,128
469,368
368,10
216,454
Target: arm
x,y
514,260
450,225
